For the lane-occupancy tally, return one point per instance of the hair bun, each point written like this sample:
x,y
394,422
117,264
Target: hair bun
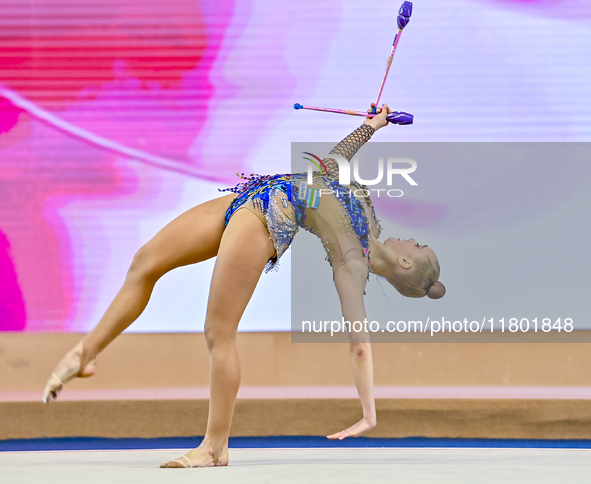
x,y
436,291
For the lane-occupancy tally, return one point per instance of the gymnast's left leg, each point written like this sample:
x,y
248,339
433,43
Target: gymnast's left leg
x,y
244,250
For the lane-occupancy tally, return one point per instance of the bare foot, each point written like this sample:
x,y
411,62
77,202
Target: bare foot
x,y
202,456
67,369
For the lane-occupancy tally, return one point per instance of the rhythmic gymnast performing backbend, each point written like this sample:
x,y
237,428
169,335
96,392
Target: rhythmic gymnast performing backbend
x,y
248,231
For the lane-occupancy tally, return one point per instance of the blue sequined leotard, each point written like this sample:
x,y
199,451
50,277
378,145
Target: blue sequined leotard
x,y
344,222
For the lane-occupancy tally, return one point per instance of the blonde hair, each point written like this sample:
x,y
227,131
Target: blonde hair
x,y
420,280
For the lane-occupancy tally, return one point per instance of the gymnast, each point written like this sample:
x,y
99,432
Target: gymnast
x,y
249,230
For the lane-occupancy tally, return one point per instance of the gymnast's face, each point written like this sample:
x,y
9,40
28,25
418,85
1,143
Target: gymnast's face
x,y
409,249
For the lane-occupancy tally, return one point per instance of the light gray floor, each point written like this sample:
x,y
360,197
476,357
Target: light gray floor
x,y
391,465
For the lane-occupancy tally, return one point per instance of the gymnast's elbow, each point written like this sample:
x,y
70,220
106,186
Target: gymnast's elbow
x,y
359,350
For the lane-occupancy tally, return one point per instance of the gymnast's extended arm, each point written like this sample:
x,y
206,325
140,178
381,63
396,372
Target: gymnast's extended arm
x,y
350,282
351,144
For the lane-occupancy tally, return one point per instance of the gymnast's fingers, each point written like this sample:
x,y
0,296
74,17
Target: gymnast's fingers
x,y
385,111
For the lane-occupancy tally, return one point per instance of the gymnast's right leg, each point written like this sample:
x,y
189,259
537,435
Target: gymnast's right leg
x,y
192,237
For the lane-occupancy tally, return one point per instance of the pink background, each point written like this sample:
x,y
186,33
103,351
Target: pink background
x,y
114,118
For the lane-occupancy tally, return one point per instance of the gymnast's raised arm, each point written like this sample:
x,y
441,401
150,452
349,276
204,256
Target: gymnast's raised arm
x,y
351,144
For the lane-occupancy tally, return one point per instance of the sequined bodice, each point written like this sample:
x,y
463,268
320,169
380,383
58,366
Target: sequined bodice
x,y
344,219
344,222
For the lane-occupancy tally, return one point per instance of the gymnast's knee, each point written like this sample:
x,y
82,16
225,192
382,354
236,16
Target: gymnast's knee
x,y
217,337
144,266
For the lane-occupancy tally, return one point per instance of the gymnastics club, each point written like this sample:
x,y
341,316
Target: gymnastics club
x,y
403,18
395,117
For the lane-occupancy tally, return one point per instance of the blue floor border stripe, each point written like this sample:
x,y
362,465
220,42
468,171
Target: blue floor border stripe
x,y
91,443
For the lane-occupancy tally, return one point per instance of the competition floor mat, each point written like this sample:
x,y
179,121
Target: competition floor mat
x,y
456,465
295,441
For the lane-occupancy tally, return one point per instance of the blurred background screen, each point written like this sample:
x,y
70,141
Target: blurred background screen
x,y
116,116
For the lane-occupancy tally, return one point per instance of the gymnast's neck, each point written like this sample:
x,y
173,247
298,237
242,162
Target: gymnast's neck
x,y
381,258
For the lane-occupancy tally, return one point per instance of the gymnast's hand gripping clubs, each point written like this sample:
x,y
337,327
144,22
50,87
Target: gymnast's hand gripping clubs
x,y
396,117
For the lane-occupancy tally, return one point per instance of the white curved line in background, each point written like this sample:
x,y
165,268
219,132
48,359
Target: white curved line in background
x,y
96,140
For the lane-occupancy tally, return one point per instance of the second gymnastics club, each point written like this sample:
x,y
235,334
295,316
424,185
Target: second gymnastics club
x,y
395,117
404,15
